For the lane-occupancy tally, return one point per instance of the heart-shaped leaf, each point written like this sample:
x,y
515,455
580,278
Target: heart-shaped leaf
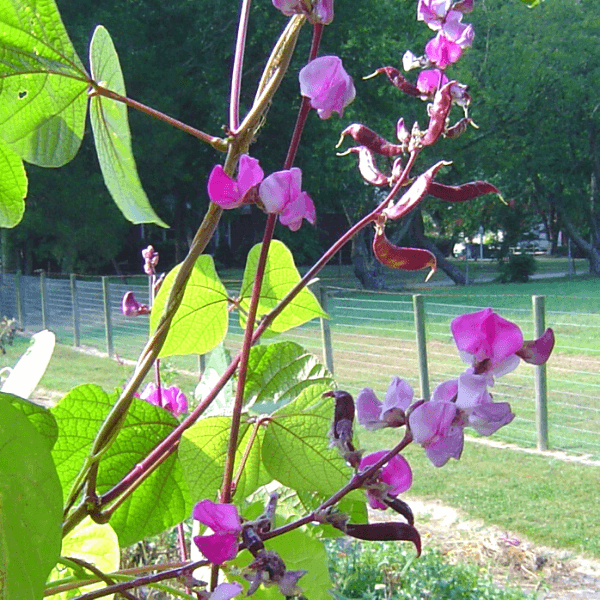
x,y
44,84
112,136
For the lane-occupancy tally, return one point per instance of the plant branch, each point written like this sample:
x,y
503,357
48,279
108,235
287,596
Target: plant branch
x,y
355,483
238,62
216,142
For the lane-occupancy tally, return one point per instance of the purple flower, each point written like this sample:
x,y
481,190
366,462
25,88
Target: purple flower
x,y
487,342
226,591
328,86
171,398
230,193
464,402
225,522
396,475
446,19
319,11
131,307
374,414
431,80
150,257
281,192
436,425
442,51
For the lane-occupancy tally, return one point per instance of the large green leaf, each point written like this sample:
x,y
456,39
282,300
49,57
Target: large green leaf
x,y
38,416
43,85
202,452
13,187
280,277
30,507
95,544
112,136
201,320
278,373
162,500
295,449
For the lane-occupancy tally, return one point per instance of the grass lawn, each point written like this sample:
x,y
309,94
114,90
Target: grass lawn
x,y
69,368
550,501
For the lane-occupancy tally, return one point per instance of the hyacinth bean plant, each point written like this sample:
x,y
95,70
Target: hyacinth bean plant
x,y
264,459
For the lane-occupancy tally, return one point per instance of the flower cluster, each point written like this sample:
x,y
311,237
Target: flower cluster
x,y
445,17
492,347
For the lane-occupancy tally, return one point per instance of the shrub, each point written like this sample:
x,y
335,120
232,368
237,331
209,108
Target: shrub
x,y
385,572
517,269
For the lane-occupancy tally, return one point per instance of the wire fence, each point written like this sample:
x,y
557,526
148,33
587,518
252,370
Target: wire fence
x,y
368,339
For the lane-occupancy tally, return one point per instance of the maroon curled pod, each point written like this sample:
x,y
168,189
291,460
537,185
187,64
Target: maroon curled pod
x,y
367,166
385,532
442,102
404,259
415,193
459,128
461,193
371,140
398,80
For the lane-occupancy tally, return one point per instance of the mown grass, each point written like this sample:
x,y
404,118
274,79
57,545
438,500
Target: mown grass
x,y
69,368
550,501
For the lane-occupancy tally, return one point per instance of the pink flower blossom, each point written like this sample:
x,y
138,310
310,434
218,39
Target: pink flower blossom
x,y
150,257
430,81
131,307
487,341
446,19
170,398
317,11
442,52
225,523
328,86
374,414
396,474
281,192
437,426
230,193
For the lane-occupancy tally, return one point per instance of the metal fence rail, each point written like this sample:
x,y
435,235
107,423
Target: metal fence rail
x,y
368,339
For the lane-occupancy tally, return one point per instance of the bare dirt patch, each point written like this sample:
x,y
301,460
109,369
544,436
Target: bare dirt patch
x,y
508,557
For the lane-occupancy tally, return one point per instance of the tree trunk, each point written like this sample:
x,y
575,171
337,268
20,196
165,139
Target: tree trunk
x,y
594,181
367,269
591,252
418,234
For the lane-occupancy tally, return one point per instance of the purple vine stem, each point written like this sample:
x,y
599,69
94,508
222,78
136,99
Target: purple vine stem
x,y
238,62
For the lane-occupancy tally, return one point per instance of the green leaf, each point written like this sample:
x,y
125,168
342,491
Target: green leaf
x,y
295,448
162,500
13,187
93,543
217,362
30,507
201,320
112,136
277,373
202,452
532,3
38,416
43,84
281,275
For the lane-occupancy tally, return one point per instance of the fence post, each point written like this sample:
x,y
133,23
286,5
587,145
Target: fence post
x,y
419,313
43,300
19,299
75,307
541,397
326,331
107,319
